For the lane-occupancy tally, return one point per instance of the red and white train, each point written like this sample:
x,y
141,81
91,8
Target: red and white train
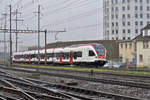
x,y
91,54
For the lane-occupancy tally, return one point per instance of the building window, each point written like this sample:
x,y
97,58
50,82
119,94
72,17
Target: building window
x,y
123,8
136,15
126,45
112,9
136,1
112,16
116,2
116,32
116,9
108,10
136,31
148,16
130,45
128,15
123,24
128,1
141,1
116,23
108,32
124,38
112,32
123,16
121,46
145,45
116,38
112,38
136,7
141,58
112,24
112,1
129,31
123,1
148,8
129,38
141,23
141,8
123,31
128,7
116,16
141,15
136,23
121,58
128,23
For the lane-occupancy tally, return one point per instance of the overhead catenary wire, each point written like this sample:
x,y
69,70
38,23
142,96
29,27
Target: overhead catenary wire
x,y
55,10
33,17
73,18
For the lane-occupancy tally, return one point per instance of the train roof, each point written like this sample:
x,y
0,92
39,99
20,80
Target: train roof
x,y
77,45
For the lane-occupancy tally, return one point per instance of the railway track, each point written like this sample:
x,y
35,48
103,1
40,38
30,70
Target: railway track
x,y
39,89
96,73
20,88
90,79
92,66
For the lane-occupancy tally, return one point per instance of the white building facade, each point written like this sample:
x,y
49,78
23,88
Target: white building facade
x,y
124,19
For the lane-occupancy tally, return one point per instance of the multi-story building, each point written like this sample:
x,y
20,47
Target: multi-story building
x,y
137,50
123,19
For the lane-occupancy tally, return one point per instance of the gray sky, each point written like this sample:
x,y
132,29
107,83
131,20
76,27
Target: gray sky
x,y
83,19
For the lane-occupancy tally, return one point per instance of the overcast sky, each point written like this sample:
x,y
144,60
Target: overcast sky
x,y
82,19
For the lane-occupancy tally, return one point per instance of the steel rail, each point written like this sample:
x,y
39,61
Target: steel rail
x,y
17,92
98,80
87,72
39,89
35,95
83,91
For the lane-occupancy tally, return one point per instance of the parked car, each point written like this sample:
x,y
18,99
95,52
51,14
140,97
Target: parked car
x,y
111,64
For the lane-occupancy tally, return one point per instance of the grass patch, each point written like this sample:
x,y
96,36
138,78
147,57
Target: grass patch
x,y
86,69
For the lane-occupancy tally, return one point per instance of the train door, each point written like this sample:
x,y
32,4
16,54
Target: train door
x,y
29,58
39,59
25,58
71,57
61,58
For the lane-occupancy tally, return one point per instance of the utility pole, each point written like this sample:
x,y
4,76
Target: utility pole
x,y
16,20
5,17
39,31
10,40
45,47
39,15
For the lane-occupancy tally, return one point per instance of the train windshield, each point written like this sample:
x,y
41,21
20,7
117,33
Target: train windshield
x,y
99,49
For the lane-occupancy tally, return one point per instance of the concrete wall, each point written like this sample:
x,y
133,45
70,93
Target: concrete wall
x,y
145,52
127,54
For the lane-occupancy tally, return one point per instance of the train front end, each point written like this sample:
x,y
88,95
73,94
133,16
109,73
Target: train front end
x,y
101,54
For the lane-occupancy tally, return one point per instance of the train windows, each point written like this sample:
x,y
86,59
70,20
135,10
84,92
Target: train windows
x,y
57,55
77,54
66,55
49,55
32,56
42,56
99,49
91,53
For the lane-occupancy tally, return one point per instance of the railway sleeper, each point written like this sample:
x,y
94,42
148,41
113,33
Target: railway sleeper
x,y
38,89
